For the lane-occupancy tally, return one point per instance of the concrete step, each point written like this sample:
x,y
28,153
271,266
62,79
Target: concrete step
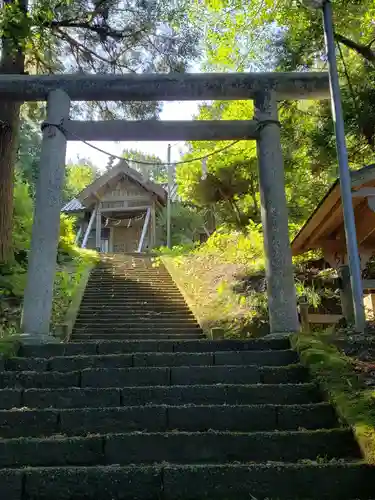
x,y
72,363
128,346
308,481
154,376
95,337
153,418
77,397
178,447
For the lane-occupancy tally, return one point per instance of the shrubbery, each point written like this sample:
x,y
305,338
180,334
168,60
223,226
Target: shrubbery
x,y
71,263
225,283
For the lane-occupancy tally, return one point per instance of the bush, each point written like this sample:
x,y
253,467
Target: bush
x,y
72,261
67,234
236,247
22,216
186,223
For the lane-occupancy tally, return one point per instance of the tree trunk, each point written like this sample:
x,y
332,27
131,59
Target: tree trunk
x,y
12,62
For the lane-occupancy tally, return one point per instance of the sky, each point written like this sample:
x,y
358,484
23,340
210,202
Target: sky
x,y
182,110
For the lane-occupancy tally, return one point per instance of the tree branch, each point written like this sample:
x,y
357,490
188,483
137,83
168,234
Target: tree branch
x,y
103,30
363,50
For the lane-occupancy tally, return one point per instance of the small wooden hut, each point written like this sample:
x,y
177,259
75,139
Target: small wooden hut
x,y
325,227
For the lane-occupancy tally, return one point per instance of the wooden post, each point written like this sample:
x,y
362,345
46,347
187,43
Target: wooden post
x,y
98,228
304,315
144,230
38,296
369,304
88,230
153,226
346,294
78,235
111,239
169,244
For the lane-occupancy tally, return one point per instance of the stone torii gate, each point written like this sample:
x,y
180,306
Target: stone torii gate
x,y
266,89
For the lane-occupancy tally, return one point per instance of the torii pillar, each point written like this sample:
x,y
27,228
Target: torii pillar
x,y
282,301
37,308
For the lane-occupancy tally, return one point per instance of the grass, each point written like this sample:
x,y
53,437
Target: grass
x,y
210,277
70,269
223,282
68,277
353,400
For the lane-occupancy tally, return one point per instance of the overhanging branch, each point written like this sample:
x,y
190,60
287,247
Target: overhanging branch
x,y
363,50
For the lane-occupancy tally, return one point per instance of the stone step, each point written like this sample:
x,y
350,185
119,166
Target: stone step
x,y
128,331
129,323
122,307
123,303
134,287
140,327
72,363
134,299
95,337
147,290
177,375
144,330
136,277
168,315
131,284
132,281
310,481
128,346
77,397
178,447
153,418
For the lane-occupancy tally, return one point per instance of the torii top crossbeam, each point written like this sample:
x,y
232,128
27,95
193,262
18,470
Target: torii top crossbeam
x,y
165,87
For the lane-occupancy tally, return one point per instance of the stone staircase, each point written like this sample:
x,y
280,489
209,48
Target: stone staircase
x,y
127,298
169,418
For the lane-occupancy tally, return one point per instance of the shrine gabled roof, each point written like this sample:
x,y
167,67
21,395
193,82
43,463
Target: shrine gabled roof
x,y
328,215
78,204
73,205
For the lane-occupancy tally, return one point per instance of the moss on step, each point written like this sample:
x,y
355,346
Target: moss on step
x,y
354,402
9,348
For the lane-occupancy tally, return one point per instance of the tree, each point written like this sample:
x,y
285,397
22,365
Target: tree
x,y
186,223
102,36
155,170
28,154
78,176
284,36
231,186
